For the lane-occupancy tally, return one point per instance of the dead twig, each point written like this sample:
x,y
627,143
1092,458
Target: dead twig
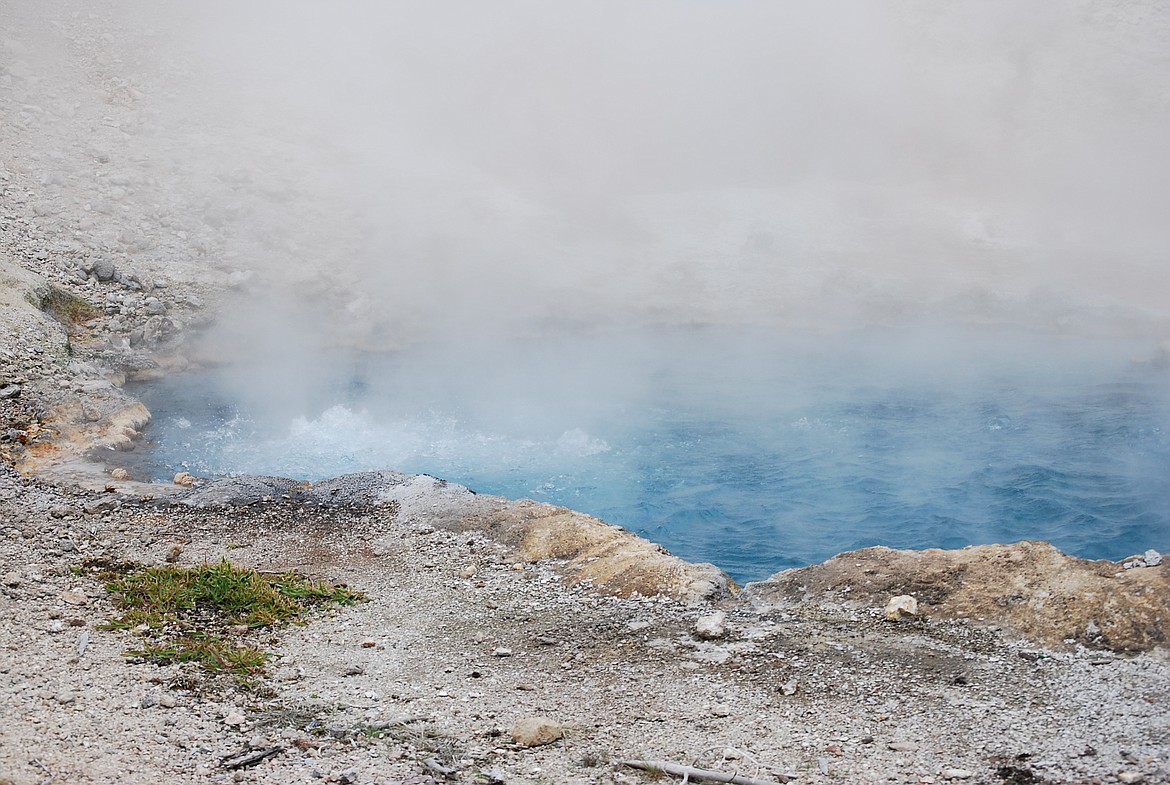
x,y
691,773
239,761
46,770
433,764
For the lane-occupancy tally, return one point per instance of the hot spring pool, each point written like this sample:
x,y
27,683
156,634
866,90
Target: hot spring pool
x,y
748,448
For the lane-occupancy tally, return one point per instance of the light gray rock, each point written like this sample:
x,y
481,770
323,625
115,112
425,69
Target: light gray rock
x,y
104,269
711,626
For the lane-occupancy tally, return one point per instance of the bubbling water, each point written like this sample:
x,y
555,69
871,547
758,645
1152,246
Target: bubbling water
x,y
751,449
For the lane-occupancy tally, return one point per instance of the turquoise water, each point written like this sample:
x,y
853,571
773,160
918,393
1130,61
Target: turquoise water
x,y
751,449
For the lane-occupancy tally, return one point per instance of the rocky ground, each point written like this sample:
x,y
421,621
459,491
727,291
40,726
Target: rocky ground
x,y
463,638
1019,665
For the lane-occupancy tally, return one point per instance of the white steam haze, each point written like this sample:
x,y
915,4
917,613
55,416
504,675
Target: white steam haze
x,y
390,171
712,162
452,165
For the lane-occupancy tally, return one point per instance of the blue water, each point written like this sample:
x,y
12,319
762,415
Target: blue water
x,y
751,449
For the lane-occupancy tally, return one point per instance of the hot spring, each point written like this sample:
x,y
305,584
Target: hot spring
x,y
754,449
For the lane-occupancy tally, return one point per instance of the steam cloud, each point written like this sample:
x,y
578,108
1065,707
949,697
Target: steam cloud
x,y
421,167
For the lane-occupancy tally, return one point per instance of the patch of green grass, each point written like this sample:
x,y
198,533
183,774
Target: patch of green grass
x,y
207,614
67,308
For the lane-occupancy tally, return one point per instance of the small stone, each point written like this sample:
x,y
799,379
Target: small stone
x,y
900,606
712,626
154,306
536,731
903,746
1152,558
104,504
167,701
104,269
74,597
467,572
120,474
501,651
957,774
1130,776
234,719
65,698
9,391
369,643
719,710
184,479
12,579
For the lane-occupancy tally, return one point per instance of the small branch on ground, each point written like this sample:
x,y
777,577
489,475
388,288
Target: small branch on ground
x,y
251,758
691,773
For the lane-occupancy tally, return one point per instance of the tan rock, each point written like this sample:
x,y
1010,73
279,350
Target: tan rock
x,y
75,598
536,731
608,557
184,479
1029,589
901,606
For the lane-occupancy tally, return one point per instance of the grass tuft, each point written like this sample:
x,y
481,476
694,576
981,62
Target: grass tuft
x,y
206,614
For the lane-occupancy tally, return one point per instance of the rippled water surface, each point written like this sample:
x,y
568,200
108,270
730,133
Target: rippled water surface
x,y
747,448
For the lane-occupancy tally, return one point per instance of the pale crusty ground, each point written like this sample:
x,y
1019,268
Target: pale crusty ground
x,y
800,691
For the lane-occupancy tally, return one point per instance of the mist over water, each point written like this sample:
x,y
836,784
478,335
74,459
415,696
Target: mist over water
x,y
755,449
925,239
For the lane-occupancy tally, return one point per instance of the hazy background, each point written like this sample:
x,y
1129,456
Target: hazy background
x,y
373,173
415,166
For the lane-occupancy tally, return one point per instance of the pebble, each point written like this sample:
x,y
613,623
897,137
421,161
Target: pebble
x,y
104,269
234,719
167,701
903,746
10,391
184,479
501,651
65,698
957,774
536,731
12,579
369,643
74,597
901,606
712,626
105,504
120,474
719,710
1130,777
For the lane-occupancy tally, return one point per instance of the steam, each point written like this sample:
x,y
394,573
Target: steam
x,y
400,171
454,166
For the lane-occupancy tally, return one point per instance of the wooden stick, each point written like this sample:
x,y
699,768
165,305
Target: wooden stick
x,y
689,772
239,761
438,768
